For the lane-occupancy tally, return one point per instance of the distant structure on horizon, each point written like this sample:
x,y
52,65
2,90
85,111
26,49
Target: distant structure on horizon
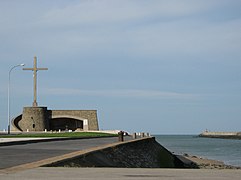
x,y
37,118
224,135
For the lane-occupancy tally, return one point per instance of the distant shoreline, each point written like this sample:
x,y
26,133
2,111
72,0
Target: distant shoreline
x,y
221,135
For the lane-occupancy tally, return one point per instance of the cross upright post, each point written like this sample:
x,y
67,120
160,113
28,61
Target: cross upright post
x,y
35,69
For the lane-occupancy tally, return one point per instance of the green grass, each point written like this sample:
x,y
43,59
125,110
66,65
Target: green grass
x,y
62,134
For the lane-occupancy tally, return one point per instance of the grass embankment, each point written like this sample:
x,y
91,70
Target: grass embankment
x,y
62,134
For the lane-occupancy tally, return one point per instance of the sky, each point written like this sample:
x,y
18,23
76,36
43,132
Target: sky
x,y
157,66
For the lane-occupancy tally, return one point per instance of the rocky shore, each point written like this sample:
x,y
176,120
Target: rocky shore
x,y
202,163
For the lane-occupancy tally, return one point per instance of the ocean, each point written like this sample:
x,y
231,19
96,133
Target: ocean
x,y
226,150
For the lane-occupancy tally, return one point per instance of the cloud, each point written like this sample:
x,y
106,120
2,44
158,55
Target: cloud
x,y
136,28
147,29
108,11
128,93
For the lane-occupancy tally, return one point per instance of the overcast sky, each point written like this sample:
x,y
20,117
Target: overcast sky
x,y
159,66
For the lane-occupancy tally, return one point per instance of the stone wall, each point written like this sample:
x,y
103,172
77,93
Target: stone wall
x,y
34,119
39,119
142,153
90,115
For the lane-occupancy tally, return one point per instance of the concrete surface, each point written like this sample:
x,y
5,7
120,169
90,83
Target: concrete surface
x,y
140,153
3,140
15,155
19,154
122,173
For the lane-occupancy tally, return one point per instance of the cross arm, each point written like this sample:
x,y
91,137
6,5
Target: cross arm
x,y
42,68
32,69
28,69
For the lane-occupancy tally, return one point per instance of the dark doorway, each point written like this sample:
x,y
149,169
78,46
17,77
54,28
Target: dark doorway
x,y
65,124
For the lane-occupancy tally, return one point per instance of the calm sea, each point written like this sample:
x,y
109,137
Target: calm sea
x,y
226,150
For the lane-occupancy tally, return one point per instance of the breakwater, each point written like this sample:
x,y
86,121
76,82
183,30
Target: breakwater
x,y
224,135
140,153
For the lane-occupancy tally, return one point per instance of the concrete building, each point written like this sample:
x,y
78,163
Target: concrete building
x,y
40,119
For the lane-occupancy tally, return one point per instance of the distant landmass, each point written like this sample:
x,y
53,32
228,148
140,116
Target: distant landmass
x,y
223,135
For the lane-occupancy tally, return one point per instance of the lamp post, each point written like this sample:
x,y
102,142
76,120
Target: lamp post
x,y
9,78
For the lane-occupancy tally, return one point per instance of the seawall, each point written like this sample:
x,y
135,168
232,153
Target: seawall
x,y
224,135
141,153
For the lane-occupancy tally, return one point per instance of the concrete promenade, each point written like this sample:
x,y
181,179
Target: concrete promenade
x,y
122,174
18,155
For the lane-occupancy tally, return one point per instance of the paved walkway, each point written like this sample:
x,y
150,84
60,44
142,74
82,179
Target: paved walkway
x,y
15,155
4,140
122,174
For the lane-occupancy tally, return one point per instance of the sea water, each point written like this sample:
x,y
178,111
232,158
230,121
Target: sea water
x,y
226,150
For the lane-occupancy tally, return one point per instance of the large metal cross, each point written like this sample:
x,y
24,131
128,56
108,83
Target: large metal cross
x,y
35,69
